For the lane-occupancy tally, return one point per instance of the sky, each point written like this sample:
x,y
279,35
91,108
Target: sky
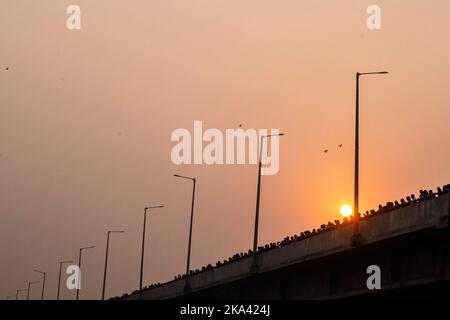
x,y
86,118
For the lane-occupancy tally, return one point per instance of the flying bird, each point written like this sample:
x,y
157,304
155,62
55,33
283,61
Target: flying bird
x,y
7,68
325,150
340,145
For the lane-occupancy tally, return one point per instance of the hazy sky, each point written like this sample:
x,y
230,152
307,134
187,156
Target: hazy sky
x,y
86,118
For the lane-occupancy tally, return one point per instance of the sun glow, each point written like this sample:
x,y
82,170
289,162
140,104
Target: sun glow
x,y
346,210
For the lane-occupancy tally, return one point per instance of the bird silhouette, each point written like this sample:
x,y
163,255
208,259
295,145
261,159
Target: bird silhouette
x,y
7,68
340,145
325,150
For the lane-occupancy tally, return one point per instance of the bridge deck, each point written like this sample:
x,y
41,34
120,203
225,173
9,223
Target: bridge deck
x,y
430,214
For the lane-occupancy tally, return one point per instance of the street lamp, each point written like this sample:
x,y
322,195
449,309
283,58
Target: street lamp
x,y
59,277
258,193
356,186
106,261
190,227
79,266
142,249
43,282
28,290
18,291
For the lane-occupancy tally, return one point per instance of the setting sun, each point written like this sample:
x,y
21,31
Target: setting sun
x,y
346,210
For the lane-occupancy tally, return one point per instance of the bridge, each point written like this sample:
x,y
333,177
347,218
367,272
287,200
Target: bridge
x,y
408,241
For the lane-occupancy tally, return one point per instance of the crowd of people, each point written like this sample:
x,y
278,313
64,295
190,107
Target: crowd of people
x,y
389,206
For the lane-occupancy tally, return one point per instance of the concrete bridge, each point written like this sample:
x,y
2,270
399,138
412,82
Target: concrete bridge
x,y
410,244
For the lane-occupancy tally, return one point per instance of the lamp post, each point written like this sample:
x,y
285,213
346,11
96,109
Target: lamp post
x,y
59,277
356,184
43,282
106,262
18,291
142,248
28,290
79,266
194,180
258,193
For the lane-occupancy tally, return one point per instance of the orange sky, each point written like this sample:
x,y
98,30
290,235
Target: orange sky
x,y
86,118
